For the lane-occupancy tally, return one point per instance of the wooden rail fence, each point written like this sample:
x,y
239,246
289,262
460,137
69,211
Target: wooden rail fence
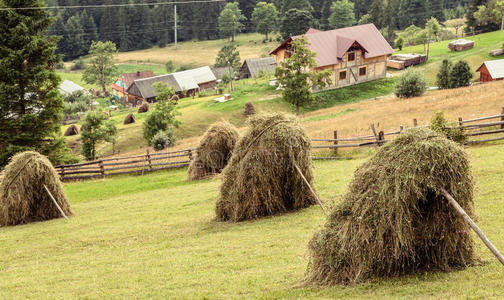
x,y
138,164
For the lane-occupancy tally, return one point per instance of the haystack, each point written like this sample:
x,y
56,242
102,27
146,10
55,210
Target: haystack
x,y
130,119
72,130
214,151
249,109
143,108
261,178
23,198
175,98
393,219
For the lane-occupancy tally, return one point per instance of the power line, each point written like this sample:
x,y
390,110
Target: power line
x,y
110,5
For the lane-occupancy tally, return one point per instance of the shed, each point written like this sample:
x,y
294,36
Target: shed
x,y
252,68
196,79
491,70
142,89
68,87
460,45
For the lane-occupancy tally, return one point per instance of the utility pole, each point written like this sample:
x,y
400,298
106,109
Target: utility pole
x,y
175,7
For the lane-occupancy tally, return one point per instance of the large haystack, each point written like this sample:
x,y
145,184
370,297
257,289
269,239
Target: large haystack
x,y
261,178
129,119
143,108
23,198
214,151
393,219
72,130
249,109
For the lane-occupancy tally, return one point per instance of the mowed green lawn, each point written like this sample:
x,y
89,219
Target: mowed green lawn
x,y
155,237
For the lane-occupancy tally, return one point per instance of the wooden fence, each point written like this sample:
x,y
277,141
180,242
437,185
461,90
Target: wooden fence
x,y
139,164
471,128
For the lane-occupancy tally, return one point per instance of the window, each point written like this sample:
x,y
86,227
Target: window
x,y
342,75
351,56
362,71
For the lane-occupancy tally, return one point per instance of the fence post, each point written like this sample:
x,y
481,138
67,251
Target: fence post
x,y
381,138
460,122
102,168
335,141
401,129
190,154
62,175
502,117
415,123
149,159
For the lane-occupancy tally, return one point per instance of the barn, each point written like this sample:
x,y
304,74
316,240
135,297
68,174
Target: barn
x,y
253,67
353,54
123,82
491,70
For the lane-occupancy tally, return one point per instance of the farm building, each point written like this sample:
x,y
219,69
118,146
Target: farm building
x,y
353,54
121,85
184,83
460,45
220,71
491,70
253,67
68,87
401,61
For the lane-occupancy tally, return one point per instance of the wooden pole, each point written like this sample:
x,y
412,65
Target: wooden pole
x,y
415,123
502,117
381,138
176,26
473,225
311,189
460,122
55,203
335,142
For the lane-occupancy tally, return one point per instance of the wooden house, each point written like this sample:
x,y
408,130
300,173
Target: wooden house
x,y
122,84
491,70
252,68
353,54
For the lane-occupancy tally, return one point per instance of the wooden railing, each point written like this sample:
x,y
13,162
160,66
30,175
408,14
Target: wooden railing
x,y
138,164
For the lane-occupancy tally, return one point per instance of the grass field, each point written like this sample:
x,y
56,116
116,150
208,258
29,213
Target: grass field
x,y
155,237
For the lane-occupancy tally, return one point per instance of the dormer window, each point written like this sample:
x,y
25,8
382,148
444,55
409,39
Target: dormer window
x,y
351,56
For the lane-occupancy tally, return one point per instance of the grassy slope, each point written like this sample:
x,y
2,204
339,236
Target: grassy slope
x,y
154,236
484,43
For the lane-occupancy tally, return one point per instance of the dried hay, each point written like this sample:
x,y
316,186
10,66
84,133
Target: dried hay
x,y
23,198
72,130
175,98
130,119
261,179
143,108
249,109
214,151
393,219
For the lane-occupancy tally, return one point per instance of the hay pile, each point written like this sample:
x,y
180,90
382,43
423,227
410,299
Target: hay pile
x,y
393,219
175,98
143,108
23,198
130,119
261,179
72,130
249,109
214,151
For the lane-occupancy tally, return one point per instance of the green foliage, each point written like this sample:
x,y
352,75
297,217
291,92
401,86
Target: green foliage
x,y
399,43
449,129
230,20
164,92
162,117
96,129
411,84
163,139
365,19
170,66
101,69
229,57
295,76
30,104
265,18
295,22
79,64
443,76
460,75
342,14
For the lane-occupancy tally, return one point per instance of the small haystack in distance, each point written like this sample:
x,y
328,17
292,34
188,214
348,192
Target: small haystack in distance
x,y
261,178
394,219
175,98
130,119
143,108
249,109
23,198
214,151
72,130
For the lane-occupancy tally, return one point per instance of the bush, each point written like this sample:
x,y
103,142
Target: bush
x,y
163,139
161,118
399,43
443,76
60,66
411,84
78,65
460,75
440,124
76,103
170,67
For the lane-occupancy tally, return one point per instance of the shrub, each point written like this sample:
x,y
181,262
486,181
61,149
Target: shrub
x,y
170,66
443,76
76,103
163,139
460,75
78,65
399,43
60,66
161,118
411,84
440,124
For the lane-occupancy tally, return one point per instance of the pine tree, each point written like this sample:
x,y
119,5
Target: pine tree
x,y
342,14
460,74
30,105
376,13
247,7
75,45
296,4
443,76
295,22
90,30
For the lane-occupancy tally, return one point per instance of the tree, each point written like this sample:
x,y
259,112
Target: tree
x,y
170,66
229,57
410,84
399,43
162,117
443,76
74,44
365,19
484,16
296,4
342,14
90,29
499,12
30,104
455,24
265,18
296,77
101,69
460,75
95,129
432,27
230,20
295,22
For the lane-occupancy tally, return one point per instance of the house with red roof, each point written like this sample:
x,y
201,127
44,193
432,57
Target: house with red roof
x,y
353,54
123,83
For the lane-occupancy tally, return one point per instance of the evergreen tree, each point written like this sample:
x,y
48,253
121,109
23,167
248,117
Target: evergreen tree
x,y
101,69
342,14
265,17
295,22
296,4
443,76
377,13
247,7
96,129
230,20
460,75
74,44
30,104
89,28
326,13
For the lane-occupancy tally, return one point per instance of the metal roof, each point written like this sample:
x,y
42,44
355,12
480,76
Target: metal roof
x,y
255,65
494,67
191,79
143,87
68,87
